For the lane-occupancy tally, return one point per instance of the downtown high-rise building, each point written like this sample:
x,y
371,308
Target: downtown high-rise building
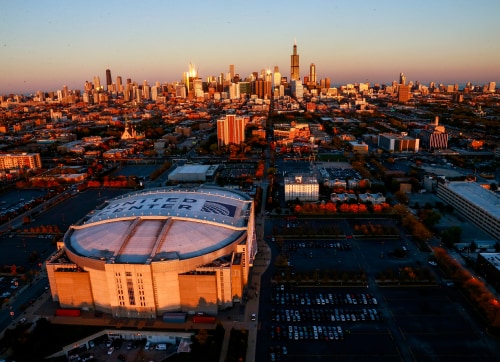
x,y
276,77
402,78
297,88
234,91
231,71
108,79
294,64
313,80
97,83
119,86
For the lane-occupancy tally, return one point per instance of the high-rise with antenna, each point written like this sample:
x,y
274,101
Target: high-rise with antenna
x,y
294,63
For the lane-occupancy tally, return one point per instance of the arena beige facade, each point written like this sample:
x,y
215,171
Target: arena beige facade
x,y
155,251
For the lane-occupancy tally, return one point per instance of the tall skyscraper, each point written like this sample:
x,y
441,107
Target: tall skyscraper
x,y
119,86
402,79
231,71
234,91
294,64
276,77
312,74
108,79
97,83
297,88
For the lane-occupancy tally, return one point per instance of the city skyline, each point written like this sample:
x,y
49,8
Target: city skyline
x,y
51,44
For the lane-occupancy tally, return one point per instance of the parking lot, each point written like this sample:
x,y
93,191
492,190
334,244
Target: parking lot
x,y
117,349
307,315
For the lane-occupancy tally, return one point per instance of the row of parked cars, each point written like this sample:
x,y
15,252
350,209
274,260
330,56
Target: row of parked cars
x,y
322,315
281,297
275,353
312,332
316,244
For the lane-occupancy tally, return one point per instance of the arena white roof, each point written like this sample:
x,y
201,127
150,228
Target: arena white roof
x,y
162,224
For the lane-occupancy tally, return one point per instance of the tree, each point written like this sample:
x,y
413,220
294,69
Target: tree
x,y
473,246
344,208
451,236
430,217
202,336
401,197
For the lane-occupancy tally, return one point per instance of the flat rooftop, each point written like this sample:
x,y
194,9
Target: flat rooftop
x,y
492,258
487,200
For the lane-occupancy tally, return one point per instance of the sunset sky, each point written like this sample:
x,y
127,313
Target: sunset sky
x,y
48,44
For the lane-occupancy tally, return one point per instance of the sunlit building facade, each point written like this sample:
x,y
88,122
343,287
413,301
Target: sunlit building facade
x,y
21,161
231,129
304,188
146,253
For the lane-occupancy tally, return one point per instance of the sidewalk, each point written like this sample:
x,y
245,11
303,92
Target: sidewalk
x,y
261,262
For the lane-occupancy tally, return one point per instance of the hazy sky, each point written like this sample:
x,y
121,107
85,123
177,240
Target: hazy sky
x,y
47,44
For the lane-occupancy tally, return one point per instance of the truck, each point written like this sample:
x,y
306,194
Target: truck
x,y
68,312
174,317
203,319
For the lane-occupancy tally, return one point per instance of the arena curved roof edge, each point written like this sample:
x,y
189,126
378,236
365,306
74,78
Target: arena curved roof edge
x,y
173,222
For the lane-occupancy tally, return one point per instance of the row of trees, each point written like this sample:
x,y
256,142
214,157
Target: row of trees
x,y
12,269
347,208
474,288
42,229
406,275
374,229
322,276
418,230
206,345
